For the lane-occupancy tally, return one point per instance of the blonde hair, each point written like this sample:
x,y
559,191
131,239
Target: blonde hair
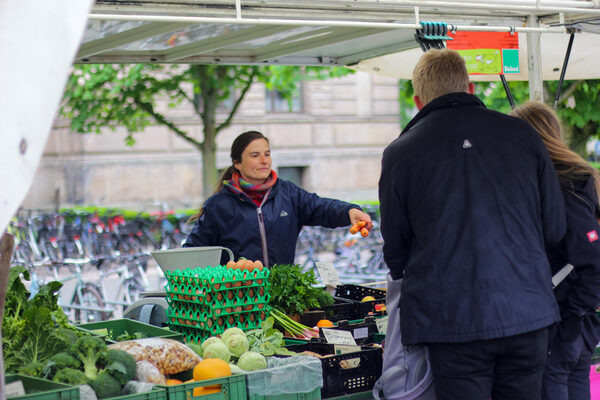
x,y
566,162
439,72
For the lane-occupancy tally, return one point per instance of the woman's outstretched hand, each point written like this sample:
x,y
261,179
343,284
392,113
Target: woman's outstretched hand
x,y
359,215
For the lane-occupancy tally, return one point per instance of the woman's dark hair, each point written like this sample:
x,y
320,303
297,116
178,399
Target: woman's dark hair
x,y
237,149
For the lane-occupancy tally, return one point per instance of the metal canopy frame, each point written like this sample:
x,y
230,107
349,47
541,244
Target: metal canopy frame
x,y
332,32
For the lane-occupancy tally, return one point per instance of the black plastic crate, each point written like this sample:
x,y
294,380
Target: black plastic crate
x,y
363,331
364,368
340,309
356,293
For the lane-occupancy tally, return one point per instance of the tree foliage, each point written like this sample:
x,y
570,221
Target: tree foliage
x,y
102,96
578,106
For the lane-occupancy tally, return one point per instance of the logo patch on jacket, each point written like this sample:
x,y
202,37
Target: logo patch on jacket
x,y
283,213
592,236
467,144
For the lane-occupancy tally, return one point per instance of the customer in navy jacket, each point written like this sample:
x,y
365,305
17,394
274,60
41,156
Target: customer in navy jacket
x,y
469,200
566,376
258,216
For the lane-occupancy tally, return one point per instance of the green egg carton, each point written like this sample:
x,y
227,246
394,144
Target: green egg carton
x,y
118,327
204,302
40,389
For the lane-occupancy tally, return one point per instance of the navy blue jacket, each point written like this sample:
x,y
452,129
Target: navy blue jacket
x,y
578,295
469,199
231,220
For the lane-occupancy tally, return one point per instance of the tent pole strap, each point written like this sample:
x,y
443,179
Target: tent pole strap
x,y
564,70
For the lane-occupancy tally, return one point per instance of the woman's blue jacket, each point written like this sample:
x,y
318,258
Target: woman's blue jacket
x,y
232,220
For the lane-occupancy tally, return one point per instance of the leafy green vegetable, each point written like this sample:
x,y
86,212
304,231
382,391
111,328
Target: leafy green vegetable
x,y
91,351
121,365
125,336
60,361
34,329
268,341
106,386
292,290
71,376
324,298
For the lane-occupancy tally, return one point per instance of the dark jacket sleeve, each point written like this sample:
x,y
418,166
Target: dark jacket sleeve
x,y
395,225
582,242
314,210
204,232
554,223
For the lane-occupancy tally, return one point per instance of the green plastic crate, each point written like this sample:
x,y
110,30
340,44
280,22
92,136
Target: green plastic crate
x,y
154,394
42,389
120,326
232,388
314,395
204,302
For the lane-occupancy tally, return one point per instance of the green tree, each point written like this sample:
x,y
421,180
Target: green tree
x,y
578,106
111,95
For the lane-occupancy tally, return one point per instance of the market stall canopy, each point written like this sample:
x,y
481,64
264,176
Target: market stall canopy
x,y
330,32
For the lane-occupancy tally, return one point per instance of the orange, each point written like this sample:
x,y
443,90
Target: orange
x,y
171,382
211,368
324,323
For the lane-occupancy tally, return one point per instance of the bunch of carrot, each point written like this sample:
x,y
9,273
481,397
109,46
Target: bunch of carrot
x,y
360,226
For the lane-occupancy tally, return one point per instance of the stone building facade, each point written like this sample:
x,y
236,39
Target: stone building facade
x,y
330,144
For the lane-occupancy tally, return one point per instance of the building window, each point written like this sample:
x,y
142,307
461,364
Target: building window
x,y
276,103
292,174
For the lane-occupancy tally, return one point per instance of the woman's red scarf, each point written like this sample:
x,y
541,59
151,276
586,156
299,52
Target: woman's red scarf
x,y
256,193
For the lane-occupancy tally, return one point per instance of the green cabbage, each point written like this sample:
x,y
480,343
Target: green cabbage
x,y
252,361
231,331
217,350
237,344
210,341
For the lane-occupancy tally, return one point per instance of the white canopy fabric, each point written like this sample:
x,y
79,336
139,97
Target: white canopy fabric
x,y
38,41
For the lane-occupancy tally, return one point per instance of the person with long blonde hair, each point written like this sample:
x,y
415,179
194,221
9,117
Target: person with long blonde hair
x,y
572,343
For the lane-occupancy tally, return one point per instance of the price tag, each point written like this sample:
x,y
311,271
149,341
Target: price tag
x,y
361,333
382,324
14,389
343,349
335,336
329,275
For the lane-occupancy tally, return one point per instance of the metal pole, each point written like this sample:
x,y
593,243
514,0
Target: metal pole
x,y
564,70
534,62
309,22
507,90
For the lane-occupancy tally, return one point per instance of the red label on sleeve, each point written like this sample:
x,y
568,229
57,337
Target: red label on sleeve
x,y
592,236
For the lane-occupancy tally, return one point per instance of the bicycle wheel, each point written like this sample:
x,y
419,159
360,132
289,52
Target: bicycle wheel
x,y
90,297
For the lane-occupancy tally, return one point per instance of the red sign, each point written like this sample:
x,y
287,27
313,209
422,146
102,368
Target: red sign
x,y
483,40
